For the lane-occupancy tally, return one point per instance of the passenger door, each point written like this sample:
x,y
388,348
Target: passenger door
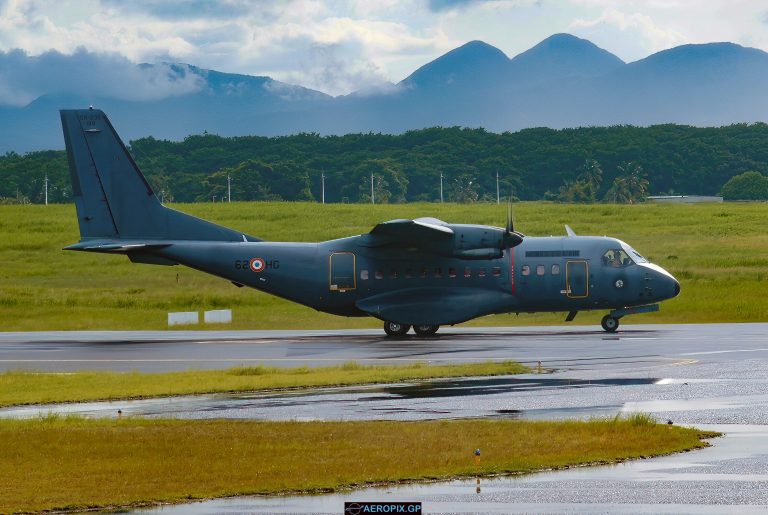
x,y
342,272
577,279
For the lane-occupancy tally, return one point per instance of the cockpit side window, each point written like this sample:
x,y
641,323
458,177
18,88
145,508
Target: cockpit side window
x,y
616,258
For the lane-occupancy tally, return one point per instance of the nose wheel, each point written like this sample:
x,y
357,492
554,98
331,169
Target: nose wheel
x,y
609,323
395,329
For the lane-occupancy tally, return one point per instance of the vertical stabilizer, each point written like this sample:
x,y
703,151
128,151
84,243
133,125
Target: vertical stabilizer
x,y
112,196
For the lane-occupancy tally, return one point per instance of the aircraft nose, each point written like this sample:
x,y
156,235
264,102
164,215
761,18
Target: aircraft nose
x,y
660,284
671,286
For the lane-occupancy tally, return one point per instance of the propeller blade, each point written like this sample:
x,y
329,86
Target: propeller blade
x,y
512,238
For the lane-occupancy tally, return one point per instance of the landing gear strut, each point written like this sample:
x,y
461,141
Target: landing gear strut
x,y
395,329
610,323
425,330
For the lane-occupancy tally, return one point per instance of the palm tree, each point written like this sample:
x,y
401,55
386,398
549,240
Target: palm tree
x,y
630,187
592,176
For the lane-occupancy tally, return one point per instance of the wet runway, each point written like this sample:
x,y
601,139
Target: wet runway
x,y
713,376
570,347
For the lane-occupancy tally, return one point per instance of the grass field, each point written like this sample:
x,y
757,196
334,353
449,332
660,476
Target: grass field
x,y
69,463
719,252
39,388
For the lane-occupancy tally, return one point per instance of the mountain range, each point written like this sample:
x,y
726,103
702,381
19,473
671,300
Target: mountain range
x,y
562,82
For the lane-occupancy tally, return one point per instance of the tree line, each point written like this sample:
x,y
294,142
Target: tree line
x,y
610,164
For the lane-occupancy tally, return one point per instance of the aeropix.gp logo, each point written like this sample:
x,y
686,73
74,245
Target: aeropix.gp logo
x,y
257,264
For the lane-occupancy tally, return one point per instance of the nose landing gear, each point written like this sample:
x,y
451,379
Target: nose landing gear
x,y
609,323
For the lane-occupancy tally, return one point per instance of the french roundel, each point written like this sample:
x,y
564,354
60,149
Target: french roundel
x,y
257,264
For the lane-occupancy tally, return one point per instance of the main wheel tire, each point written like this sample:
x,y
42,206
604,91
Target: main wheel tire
x,y
395,329
425,330
610,323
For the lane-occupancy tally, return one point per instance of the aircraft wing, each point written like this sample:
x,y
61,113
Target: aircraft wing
x,y
420,233
418,228
430,235
426,306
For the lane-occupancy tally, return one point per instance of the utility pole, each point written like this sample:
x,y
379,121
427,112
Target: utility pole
x,y
322,181
229,189
46,189
441,187
372,198
497,187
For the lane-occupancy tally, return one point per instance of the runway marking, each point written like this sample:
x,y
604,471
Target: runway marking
x,y
681,363
703,353
201,360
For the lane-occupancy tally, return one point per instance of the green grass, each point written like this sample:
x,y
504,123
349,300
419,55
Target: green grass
x,y
39,387
719,252
69,463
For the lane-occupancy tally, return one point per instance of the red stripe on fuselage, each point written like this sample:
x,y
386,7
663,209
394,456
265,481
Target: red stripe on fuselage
x,y
512,270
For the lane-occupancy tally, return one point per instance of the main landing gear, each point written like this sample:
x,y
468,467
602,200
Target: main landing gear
x,y
425,330
395,329
610,323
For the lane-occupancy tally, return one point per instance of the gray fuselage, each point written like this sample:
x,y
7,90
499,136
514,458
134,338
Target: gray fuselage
x,y
569,273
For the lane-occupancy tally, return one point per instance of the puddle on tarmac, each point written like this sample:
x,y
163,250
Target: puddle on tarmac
x,y
432,399
730,476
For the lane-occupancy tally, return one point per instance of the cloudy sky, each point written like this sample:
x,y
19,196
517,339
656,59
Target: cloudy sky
x,y
334,46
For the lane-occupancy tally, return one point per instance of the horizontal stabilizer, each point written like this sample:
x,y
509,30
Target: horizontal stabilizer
x,y
117,247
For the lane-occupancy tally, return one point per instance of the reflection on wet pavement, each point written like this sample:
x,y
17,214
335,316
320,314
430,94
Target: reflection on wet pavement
x,y
454,398
731,476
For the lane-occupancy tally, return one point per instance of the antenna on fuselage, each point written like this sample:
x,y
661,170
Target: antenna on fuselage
x,y
569,231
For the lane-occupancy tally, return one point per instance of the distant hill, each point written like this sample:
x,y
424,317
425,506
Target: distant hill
x,y
562,82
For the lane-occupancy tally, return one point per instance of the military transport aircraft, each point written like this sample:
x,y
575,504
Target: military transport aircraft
x,y
422,273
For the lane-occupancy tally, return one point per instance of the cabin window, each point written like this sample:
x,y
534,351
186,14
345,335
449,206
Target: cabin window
x,y
438,272
616,258
451,272
481,272
424,273
364,275
393,274
540,270
379,274
408,273
551,253
467,272
526,270
555,269
496,271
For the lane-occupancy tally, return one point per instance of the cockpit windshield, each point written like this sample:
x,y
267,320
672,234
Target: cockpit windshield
x,y
635,255
616,258
622,255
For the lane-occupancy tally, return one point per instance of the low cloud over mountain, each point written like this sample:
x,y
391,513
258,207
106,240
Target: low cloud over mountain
x,y
564,81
